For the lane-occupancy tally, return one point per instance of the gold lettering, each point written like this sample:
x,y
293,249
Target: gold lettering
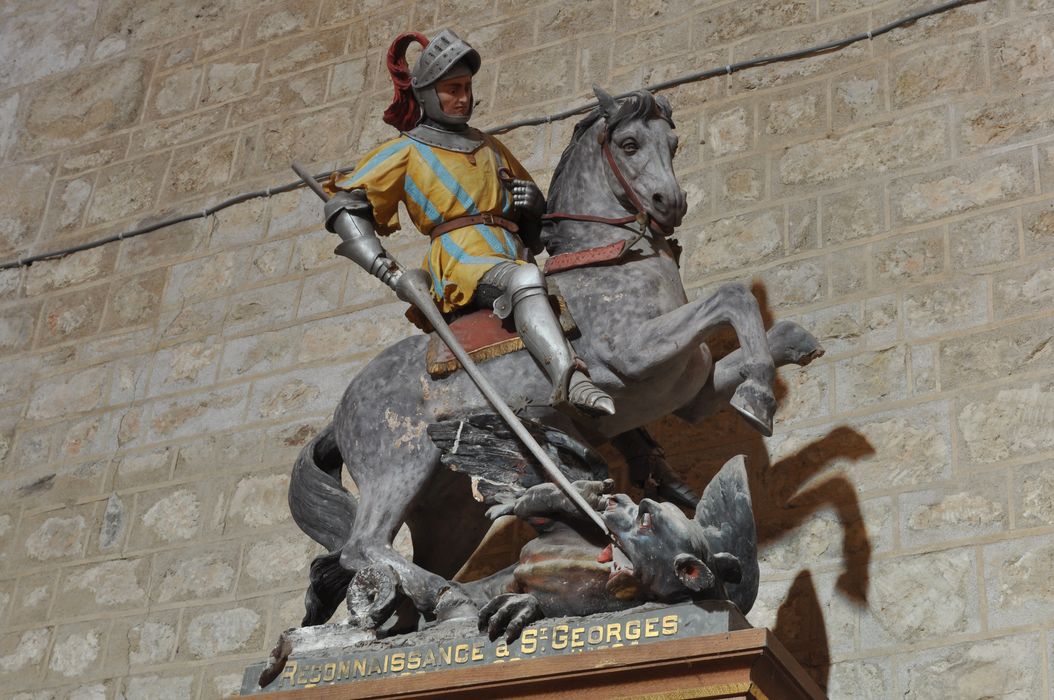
x,y
669,625
329,672
386,657
502,650
598,637
529,641
375,667
632,630
446,654
477,652
429,660
576,637
461,654
316,673
560,637
360,667
413,661
651,628
614,631
289,674
345,668
398,661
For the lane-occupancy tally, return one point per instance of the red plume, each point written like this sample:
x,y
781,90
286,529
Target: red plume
x,y
404,112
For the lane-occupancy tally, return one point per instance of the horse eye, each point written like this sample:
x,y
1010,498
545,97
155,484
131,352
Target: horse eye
x,y
629,146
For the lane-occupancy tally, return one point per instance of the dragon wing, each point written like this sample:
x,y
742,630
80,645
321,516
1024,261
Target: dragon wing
x,y
727,516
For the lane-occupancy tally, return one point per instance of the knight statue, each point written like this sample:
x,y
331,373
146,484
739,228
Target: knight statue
x,y
469,194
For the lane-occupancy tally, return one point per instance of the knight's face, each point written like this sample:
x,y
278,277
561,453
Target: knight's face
x,y
455,95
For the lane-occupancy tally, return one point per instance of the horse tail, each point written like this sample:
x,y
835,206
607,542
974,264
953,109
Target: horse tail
x,y
320,504
325,511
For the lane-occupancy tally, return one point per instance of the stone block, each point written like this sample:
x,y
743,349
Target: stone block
x,y
126,189
794,114
1019,576
969,508
909,256
24,200
1021,51
870,378
1004,352
30,602
303,392
321,292
1007,667
134,300
347,79
258,501
537,76
795,283
913,139
136,24
214,632
93,155
143,468
299,52
984,240
1026,289
195,573
921,597
193,319
284,18
802,611
1000,122
367,331
63,484
733,243
220,39
198,413
72,316
186,366
275,562
740,183
231,79
301,91
114,525
205,277
1032,495
220,682
729,23
175,514
69,200
839,328
847,270
728,129
83,105
860,678
161,246
314,250
175,92
852,214
880,321
145,640
294,211
70,271
321,138
935,71
242,449
906,447
961,188
102,588
789,40
22,656
8,114
259,353
806,397
263,306
1038,222
171,686
923,368
12,283
570,21
17,323
200,168
1011,421
78,391
240,226
858,95
802,225
32,448
157,134
954,305
78,651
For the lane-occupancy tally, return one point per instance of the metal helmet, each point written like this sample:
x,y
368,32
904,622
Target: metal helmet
x,y
445,52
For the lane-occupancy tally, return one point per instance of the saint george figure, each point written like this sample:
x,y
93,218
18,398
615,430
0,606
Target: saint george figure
x,y
471,196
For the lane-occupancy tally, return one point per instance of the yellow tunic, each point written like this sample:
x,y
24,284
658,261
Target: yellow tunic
x,y
437,185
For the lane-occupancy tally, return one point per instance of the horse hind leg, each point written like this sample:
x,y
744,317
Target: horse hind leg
x,y
788,343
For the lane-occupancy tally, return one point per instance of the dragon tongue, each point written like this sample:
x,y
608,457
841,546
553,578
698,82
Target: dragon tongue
x,y
605,555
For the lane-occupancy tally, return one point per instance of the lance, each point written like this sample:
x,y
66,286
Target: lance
x,y
412,286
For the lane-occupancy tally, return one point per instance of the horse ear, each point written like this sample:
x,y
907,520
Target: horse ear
x,y
728,567
694,574
607,102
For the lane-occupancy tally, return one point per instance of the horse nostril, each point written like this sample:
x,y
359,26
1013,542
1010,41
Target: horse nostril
x,y
659,200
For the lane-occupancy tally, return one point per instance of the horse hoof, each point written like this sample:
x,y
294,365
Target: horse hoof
x,y
453,604
372,596
756,404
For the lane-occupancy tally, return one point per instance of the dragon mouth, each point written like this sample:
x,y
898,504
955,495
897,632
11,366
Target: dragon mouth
x,y
622,583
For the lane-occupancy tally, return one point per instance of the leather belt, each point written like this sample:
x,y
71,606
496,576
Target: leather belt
x,y
463,221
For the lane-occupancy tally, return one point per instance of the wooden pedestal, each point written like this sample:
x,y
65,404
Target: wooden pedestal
x,y
749,663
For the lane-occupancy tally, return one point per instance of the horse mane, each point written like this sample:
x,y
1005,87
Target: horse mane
x,y
640,104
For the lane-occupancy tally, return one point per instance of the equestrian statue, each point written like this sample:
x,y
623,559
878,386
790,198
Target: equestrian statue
x,y
587,351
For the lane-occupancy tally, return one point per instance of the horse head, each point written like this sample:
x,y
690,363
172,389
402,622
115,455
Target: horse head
x,y
620,160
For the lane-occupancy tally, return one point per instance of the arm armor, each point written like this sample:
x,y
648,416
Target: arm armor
x,y
530,203
350,216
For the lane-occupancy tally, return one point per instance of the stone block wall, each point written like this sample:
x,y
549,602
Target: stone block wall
x,y
896,197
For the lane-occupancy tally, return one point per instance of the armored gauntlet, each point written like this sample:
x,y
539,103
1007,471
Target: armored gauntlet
x,y
349,215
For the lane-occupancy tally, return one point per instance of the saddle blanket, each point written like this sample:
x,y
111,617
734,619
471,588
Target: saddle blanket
x,y
484,336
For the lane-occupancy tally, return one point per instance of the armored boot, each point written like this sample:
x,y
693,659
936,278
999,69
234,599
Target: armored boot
x,y
526,298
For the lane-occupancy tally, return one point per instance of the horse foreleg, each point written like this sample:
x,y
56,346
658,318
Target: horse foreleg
x,y
684,329
788,343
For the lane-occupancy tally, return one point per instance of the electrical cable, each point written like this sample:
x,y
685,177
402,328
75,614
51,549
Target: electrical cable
x,y
504,128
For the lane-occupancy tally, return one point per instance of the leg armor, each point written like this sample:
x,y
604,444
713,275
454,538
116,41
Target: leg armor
x,y
525,297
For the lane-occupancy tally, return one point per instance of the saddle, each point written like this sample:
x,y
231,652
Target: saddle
x,y
484,336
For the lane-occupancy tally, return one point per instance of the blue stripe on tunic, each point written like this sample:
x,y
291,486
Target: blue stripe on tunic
x,y
458,253
419,198
448,180
383,155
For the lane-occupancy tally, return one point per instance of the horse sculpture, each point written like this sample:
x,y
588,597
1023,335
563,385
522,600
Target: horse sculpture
x,y
639,335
